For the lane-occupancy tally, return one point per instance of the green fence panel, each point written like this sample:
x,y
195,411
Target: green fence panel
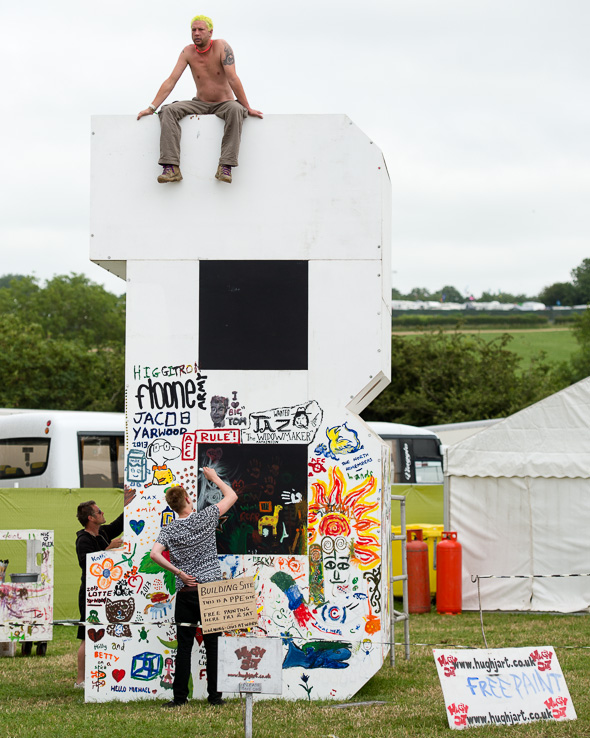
x,y
424,503
53,509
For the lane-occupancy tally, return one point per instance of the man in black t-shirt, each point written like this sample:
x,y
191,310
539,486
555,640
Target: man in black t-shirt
x,y
190,540
96,536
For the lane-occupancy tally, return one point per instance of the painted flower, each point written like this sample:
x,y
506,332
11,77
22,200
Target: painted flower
x,y
334,524
106,573
305,680
292,564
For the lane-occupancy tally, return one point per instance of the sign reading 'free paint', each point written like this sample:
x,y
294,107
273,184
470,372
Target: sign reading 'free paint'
x,y
506,686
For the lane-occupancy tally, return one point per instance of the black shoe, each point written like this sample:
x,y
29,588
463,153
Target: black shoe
x,y
216,702
172,704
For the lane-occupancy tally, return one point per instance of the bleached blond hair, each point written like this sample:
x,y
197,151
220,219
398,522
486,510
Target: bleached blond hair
x,y
205,19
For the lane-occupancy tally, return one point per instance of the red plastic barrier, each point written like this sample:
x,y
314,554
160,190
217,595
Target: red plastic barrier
x,y
448,574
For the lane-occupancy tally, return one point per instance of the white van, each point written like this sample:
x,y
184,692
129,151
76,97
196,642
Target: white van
x,y
62,449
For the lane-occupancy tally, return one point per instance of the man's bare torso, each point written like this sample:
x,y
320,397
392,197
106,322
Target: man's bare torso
x,y
209,71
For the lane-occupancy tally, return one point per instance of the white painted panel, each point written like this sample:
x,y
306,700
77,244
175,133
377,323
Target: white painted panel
x,y
164,309
345,328
312,188
308,186
386,231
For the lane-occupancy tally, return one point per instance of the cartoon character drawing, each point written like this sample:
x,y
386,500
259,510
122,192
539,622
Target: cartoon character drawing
x,y
269,520
160,451
317,655
119,611
136,466
342,440
301,418
167,679
160,602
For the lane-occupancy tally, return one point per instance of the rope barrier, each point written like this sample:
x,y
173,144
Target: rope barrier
x,y
475,577
416,644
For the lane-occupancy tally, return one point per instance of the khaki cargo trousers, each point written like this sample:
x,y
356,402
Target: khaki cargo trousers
x,y
231,111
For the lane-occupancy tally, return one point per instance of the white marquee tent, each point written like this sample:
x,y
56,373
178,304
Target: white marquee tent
x,y
518,494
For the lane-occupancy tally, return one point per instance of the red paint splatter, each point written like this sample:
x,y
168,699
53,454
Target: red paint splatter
x,y
302,614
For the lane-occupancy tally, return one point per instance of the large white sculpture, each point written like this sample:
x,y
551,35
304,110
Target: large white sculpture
x,y
258,326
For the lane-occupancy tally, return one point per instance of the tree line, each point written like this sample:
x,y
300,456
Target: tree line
x,y
576,292
63,347
62,344
449,377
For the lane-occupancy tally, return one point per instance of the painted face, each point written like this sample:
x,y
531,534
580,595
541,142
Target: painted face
x,y
201,35
212,494
209,493
218,411
336,561
301,419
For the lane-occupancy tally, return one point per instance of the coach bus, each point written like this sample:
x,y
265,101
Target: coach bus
x,y
61,449
416,454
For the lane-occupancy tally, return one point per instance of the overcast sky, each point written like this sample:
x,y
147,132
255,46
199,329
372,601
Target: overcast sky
x,y
481,108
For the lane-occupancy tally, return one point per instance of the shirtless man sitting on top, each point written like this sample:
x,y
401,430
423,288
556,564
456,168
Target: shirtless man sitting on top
x,y
213,67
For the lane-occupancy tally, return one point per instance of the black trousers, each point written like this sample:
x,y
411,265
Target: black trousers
x,y
188,611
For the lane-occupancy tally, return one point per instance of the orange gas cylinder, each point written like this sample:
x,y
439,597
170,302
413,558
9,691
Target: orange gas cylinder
x,y
418,578
448,574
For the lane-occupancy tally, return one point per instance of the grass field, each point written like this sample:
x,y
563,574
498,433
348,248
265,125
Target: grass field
x,y
558,343
38,699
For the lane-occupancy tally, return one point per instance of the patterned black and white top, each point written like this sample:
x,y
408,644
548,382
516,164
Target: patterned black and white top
x,y
192,545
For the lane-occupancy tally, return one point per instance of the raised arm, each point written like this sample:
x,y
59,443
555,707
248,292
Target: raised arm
x,y
229,496
229,65
167,86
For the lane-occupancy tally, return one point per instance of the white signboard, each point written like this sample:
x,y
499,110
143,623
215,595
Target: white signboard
x,y
257,660
503,686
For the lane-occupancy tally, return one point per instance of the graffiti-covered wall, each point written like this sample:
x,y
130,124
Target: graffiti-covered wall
x,y
258,327
26,608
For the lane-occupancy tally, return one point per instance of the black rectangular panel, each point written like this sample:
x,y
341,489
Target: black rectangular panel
x,y
253,315
270,516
